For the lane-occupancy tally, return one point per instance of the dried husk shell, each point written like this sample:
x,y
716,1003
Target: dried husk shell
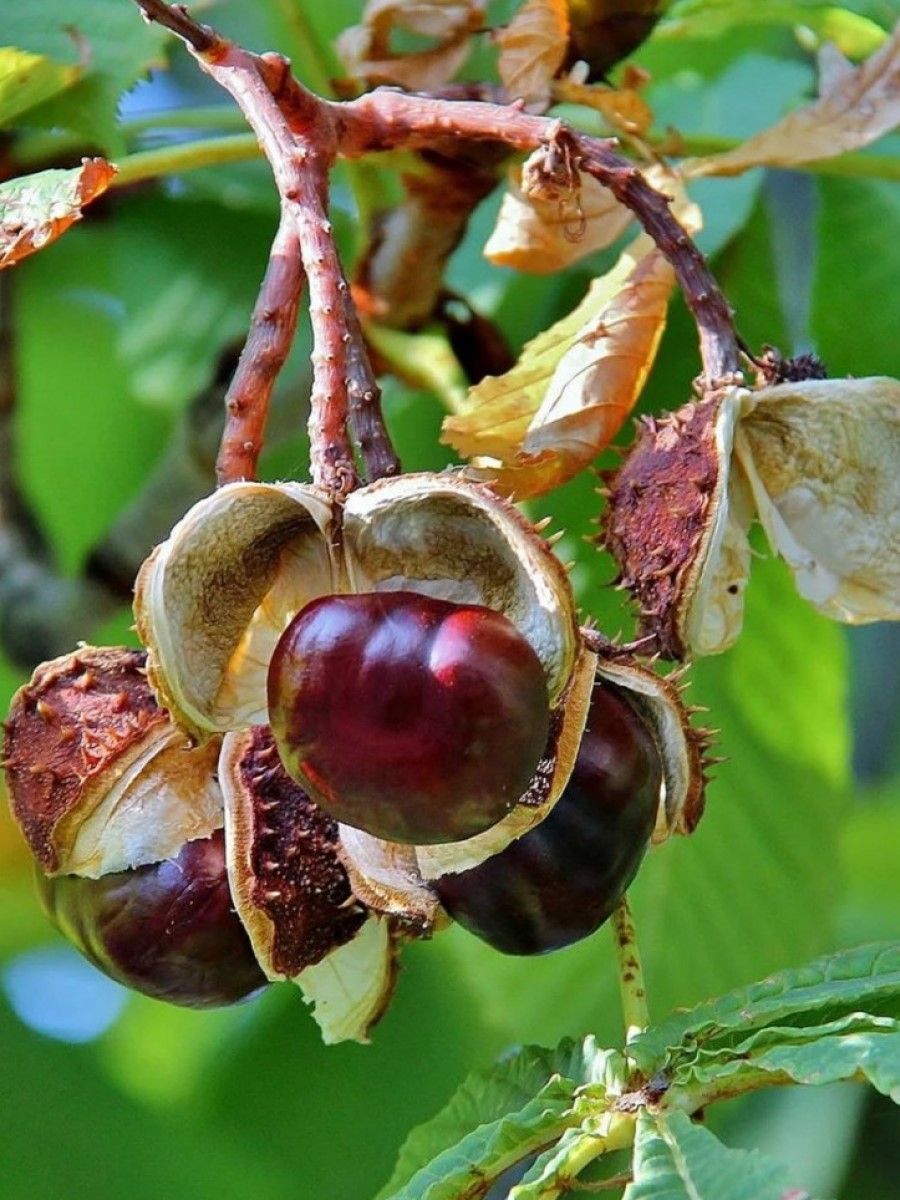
x,y
815,461
657,699
822,459
213,599
99,778
294,896
668,523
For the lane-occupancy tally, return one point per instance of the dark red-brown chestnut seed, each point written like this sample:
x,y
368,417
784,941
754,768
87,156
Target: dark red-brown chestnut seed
x,y
167,930
413,718
562,879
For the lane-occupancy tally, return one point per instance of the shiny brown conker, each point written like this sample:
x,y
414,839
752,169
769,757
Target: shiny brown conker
x,y
410,717
561,880
167,929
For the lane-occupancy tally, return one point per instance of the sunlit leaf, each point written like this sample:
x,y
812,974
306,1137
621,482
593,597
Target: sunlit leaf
x,y
861,980
855,107
674,1159
488,1096
485,1152
105,40
852,33
37,209
532,48
26,80
574,385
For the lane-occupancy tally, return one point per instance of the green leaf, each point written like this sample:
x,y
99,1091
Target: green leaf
x,y
856,274
29,79
675,1159
106,38
493,1114
826,990
858,1047
482,1155
855,35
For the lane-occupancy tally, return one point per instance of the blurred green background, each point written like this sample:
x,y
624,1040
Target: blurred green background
x,y
117,327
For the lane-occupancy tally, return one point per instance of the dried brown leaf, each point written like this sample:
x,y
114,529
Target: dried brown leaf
x,y
532,48
542,234
37,209
855,106
367,53
574,385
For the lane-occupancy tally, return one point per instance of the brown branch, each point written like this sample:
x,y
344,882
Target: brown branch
x,y
388,120
296,134
175,17
376,450
268,344
301,135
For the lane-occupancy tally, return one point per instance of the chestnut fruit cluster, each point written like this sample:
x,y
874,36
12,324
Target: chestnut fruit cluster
x,y
410,717
561,880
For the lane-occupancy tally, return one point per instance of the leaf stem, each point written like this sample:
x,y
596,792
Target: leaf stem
x,y
631,973
185,156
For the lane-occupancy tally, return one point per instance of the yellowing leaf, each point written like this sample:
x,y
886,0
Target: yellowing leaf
x,y
37,209
855,107
822,461
532,48
623,109
566,398
27,80
367,54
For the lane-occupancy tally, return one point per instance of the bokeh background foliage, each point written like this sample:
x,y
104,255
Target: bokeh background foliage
x,y
117,327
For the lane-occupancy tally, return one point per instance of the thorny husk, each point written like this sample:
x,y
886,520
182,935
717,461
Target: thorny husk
x,y
104,786
813,460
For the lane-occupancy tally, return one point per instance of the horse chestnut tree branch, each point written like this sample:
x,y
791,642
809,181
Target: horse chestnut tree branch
x,y
365,706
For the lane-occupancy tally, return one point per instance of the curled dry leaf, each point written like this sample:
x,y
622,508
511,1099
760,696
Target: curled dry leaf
x,y
542,234
532,49
545,420
37,209
855,107
367,54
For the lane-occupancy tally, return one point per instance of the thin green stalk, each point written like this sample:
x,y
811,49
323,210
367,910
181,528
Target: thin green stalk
x,y
185,156
631,973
